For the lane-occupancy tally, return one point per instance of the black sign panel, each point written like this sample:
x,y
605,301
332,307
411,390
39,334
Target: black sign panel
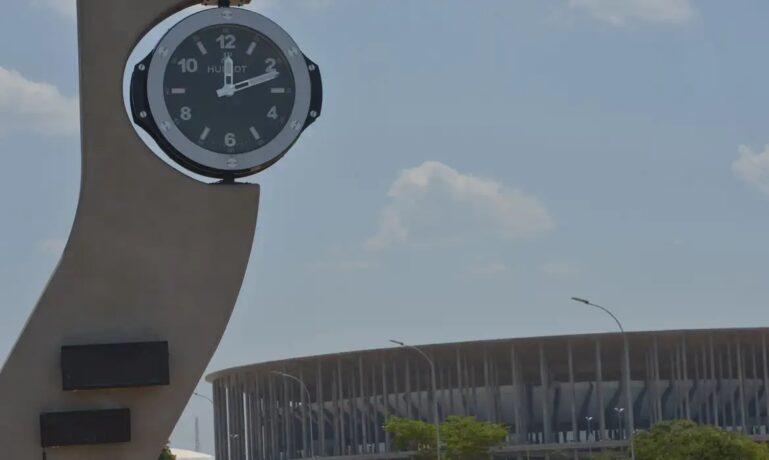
x,y
85,427
90,367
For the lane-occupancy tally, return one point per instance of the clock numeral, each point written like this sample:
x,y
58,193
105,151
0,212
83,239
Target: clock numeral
x,y
271,63
226,42
188,65
186,114
229,140
273,113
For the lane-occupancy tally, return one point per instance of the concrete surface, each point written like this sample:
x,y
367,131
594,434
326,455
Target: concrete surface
x,y
153,255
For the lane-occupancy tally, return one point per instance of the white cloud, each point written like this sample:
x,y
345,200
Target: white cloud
x,y
52,246
435,203
753,168
36,108
621,12
63,7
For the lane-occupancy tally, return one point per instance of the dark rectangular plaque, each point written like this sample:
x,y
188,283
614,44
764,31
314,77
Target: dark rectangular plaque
x,y
91,367
81,428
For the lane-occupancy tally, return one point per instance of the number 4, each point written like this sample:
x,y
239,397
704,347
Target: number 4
x,y
273,113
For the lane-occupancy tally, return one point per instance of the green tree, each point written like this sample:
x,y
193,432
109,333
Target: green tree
x,y
166,454
467,438
412,435
462,438
685,440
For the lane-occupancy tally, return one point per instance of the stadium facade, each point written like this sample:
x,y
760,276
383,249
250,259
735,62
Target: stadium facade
x,y
561,397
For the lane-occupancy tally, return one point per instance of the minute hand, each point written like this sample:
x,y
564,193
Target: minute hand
x,y
229,91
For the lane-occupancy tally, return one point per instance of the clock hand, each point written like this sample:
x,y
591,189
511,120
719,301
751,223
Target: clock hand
x,y
229,76
229,70
230,90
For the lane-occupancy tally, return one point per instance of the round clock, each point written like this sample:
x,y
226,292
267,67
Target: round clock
x,y
226,93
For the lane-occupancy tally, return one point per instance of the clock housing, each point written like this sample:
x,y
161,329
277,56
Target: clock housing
x,y
226,93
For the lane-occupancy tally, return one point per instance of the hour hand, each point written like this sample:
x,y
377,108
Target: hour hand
x,y
264,78
229,76
229,70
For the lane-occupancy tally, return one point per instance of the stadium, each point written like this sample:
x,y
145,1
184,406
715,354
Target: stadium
x,y
561,397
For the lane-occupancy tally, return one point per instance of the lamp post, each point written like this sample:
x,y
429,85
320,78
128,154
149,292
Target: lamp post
x,y
619,411
230,437
309,398
589,445
436,421
204,397
630,423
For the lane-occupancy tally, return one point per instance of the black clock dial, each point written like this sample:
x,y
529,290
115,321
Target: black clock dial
x,y
229,89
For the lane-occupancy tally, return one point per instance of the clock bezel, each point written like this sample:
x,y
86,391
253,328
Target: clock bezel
x,y
227,164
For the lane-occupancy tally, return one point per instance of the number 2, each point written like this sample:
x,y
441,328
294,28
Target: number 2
x,y
271,63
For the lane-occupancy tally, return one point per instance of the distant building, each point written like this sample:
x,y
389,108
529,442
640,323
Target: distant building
x,y
556,394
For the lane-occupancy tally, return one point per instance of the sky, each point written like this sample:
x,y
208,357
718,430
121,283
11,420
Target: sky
x,y
476,165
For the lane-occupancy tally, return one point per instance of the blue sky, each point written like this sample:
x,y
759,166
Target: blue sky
x,y
477,164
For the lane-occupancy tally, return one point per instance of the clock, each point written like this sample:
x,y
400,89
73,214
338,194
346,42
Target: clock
x,y
226,93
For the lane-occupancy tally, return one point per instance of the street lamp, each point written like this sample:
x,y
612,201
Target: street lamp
x,y
309,399
589,445
204,397
231,436
619,411
626,372
435,394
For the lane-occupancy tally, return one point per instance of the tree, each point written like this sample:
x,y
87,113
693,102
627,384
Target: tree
x,y
685,440
412,435
166,454
466,438
462,438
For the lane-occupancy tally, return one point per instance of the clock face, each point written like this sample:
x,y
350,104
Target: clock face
x,y
229,89
229,92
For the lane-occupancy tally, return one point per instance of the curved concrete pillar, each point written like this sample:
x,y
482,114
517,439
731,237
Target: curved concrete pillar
x,y
153,256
